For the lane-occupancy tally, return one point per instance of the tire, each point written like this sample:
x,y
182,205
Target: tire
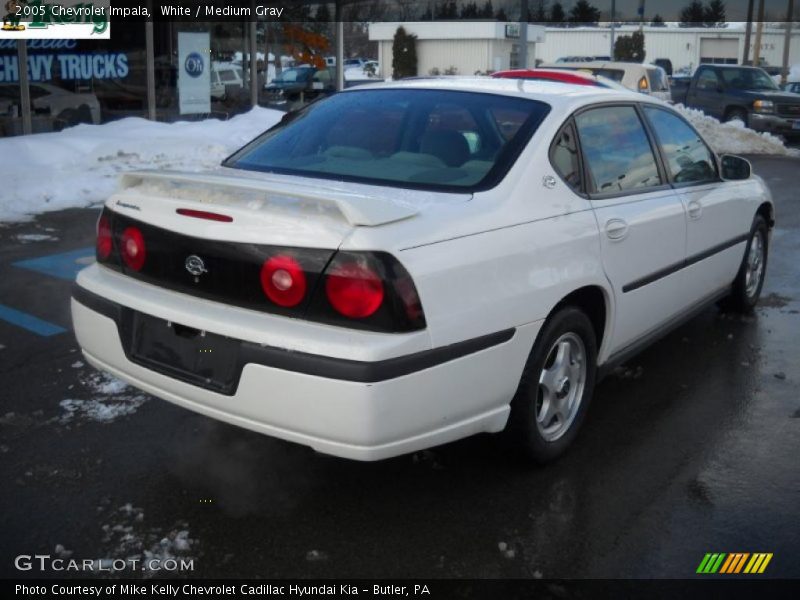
x,y
551,401
746,289
737,113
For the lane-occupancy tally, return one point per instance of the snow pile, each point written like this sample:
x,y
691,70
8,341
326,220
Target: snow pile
x,y
733,137
126,538
111,399
78,167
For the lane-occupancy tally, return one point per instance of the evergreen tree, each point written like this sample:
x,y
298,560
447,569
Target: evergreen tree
x,y
693,14
557,14
501,15
629,48
469,11
539,14
487,12
584,13
404,54
714,14
657,21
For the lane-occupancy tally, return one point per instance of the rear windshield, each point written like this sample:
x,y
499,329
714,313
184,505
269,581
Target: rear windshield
x,y
658,80
424,139
612,74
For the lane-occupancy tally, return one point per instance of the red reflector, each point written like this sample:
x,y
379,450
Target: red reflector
x,y
354,290
133,250
104,244
202,214
283,280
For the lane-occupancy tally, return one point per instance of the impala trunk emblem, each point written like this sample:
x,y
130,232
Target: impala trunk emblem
x,y
195,265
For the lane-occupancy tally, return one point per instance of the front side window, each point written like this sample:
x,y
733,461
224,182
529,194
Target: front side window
x,y
688,158
616,150
428,139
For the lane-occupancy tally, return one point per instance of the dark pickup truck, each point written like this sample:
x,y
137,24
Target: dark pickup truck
x,y
729,92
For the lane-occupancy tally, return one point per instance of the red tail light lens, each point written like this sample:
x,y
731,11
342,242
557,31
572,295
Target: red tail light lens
x,y
104,242
283,280
354,290
133,249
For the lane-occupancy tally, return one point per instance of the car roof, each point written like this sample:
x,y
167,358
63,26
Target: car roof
x,y
555,93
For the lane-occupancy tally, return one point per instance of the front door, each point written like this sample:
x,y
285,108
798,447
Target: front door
x,y
641,220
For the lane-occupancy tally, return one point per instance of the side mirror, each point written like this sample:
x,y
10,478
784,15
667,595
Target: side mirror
x,y
735,168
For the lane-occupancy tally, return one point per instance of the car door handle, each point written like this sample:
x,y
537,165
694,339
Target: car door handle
x,y
695,209
616,229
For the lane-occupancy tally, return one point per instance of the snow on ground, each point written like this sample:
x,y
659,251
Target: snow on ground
x,y
110,399
733,137
78,167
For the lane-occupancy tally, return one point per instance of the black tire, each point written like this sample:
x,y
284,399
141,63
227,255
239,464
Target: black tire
x,y
532,439
737,113
744,293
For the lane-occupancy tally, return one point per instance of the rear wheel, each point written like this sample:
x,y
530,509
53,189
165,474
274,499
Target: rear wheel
x,y
749,280
556,386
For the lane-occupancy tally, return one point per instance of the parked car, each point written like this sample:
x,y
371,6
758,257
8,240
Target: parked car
x,y
749,94
644,78
305,81
562,76
67,107
401,265
665,64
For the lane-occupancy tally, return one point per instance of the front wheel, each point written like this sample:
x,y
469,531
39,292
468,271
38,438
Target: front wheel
x,y
556,386
749,280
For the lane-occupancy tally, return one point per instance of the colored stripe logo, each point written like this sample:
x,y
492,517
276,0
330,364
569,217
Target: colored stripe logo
x,y
734,563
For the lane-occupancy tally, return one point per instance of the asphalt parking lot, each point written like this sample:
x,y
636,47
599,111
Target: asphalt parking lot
x,y
690,448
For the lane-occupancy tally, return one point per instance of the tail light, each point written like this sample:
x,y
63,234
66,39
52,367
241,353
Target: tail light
x,y
354,290
283,280
359,290
105,242
644,87
133,249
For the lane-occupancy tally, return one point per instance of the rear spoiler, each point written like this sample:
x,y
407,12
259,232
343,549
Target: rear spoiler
x,y
357,209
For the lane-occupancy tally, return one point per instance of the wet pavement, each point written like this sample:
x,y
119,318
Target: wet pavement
x,y
691,448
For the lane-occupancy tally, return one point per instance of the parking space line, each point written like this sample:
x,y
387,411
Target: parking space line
x,y
29,322
64,265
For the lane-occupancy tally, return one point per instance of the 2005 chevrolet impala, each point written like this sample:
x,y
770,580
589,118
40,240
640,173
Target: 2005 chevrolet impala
x,y
407,264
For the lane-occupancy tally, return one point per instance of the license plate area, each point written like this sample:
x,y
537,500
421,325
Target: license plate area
x,y
198,357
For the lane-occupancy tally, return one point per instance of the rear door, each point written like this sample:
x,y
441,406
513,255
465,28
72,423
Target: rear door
x,y
641,219
718,219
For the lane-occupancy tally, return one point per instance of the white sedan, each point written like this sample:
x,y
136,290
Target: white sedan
x,y
411,263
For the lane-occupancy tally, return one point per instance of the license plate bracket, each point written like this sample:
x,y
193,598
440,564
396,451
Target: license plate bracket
x,y
198,357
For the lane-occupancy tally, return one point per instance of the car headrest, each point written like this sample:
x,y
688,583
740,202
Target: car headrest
x,y
449,146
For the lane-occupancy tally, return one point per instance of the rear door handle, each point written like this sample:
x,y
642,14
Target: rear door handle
x,y
695,209
616,229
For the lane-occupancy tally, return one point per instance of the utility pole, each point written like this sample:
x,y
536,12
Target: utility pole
x,y
747,32
759,29
254,57
150,67
339,46
787,38
24,87
523,35
613,24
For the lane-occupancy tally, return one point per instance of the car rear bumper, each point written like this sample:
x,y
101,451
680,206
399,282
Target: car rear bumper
x,y
353,409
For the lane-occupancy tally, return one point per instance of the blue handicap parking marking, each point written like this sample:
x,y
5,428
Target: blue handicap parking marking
x,y
29,322
64,265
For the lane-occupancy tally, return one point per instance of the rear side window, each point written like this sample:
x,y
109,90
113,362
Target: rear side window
x,y
616,150
688,158
564,157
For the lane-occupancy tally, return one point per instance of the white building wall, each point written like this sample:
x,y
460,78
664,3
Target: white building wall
x,y
681,46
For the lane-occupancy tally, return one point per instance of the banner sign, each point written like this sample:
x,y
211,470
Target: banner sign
x,y
63,19
194,72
